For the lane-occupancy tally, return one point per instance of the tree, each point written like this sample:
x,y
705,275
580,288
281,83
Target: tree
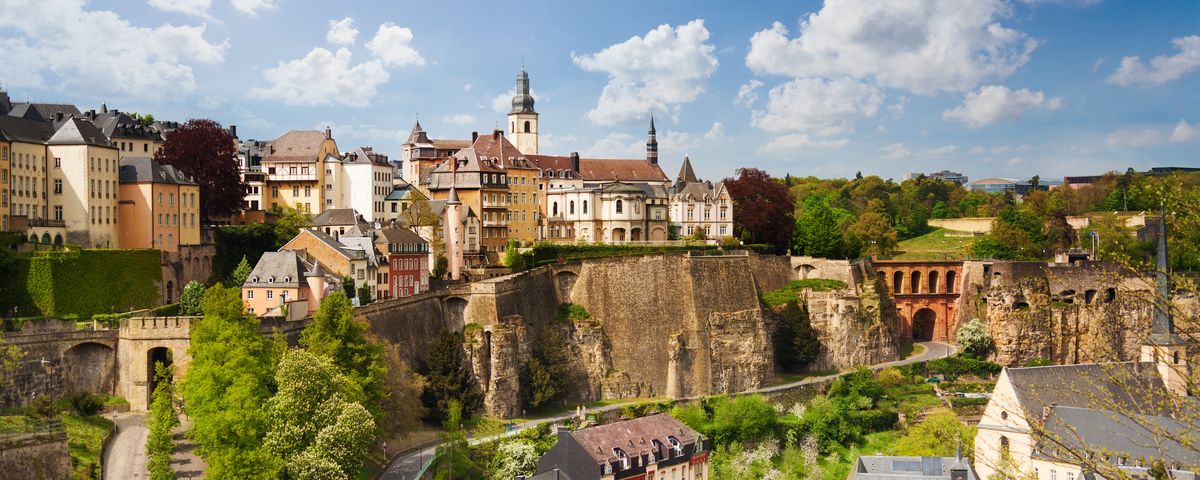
x,y
162,419
403,400
817,233
511,256
453,459
973,337
441,266
796,343
419,213
364,295
228,382
315,418
938,435
449,378
288,222
335,333
516,457
203,150
10,358
348,286
240,274
545,378
876,235
189,300
762,208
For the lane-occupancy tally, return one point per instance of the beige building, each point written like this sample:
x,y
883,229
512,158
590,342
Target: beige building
x,y
360,180
84,174
315,246
284,278
24,191
295,165
700,206
159,206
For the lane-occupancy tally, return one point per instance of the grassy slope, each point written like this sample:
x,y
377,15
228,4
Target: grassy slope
x,y
84,435
935,245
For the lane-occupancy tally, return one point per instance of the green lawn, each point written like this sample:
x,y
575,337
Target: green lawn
x,y
84,435
936,245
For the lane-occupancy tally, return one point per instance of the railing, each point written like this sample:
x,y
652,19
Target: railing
x,y
495,223
497,204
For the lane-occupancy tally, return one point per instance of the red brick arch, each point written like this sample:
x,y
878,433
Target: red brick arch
x,y
937,290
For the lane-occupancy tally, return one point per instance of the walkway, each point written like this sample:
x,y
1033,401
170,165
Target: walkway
x,y
406,465
126,455
184,460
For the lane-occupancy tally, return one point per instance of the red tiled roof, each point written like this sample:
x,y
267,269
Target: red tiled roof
x,y
593,169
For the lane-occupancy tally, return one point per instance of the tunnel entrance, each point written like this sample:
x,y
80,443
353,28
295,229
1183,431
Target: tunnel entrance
x,y
923,324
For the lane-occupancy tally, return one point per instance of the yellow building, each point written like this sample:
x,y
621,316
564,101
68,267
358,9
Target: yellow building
x,y
520,201
5,146
295,166
159,206
85,169
29,194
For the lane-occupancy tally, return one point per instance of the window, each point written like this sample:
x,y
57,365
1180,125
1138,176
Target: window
x,y
295,190
307,191
572,209
270,294
619,206
526,126
275,191
291,170
304,170
585,207
250,294
57,185
1070,475
1053,474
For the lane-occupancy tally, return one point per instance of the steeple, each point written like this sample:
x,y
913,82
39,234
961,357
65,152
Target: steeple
x,y
652,143
686,174
522,102
1163,324
1163,347
418,134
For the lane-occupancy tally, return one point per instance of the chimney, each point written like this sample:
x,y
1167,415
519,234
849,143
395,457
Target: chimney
x,y
474,137
233,131
497,133
58,116
575,161
328,133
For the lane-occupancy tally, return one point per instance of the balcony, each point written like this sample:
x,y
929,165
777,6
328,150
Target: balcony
x,y
495,223
496,204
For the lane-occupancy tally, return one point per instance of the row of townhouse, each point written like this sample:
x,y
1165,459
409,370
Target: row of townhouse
x,y
86,178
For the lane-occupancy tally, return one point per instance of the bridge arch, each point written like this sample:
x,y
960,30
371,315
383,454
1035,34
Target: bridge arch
x,y
90,367
803,270
456,309
924,324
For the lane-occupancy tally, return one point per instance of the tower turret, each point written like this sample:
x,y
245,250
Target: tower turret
x,y
652,143
523,119
1163,347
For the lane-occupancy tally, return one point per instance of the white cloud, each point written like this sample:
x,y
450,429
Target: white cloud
x,y
997,103
896,110
393,45
898,151
209,102
1185,132
460,119
53,44
360,131
1069,3
715,132
467,87
342,32
246,118
323,78
748,93
617,145
813,104
550,142
658,72
1163,68
1133,137
797,142
252,7
197,8
920,46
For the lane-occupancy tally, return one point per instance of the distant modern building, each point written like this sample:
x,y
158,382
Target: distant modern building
x,y
879,467
1017,186
657,446
944,175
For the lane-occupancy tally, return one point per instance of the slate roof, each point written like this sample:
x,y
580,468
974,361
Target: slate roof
x,y
17,129
276,266
1096,386
364,245
336,216
1119,435
77,131
365,156
333,243
686,174
879,467
295,146
633,436
401,236
117,124
43,111
146,170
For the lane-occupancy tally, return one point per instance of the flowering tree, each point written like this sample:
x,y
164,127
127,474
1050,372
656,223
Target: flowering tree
x,y
974,337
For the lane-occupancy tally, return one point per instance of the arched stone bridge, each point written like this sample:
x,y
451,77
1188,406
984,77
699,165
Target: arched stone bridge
x,y
926,295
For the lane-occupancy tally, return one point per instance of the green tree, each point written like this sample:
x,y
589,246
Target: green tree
x,y
874,233
511,256
10,358
162,419
449,378
419,213
973,337
288,222
453,457
827,421
364,295
240,274
189,300
817,233
335,333
796,343
938,435
743,418
441,266
228,382
545,377
315,418
516,457
348,286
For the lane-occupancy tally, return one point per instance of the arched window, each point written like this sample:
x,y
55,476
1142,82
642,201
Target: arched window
x,y
585,207
46,238
571,208
619,206
950,281
897,281
270,279
526,126
1175,358
512,126
554,210
933,282
915,285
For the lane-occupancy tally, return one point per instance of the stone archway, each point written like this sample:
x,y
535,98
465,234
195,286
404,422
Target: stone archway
x,y
565,281
618,235
456,308
153,357
635,235
923,324
90,367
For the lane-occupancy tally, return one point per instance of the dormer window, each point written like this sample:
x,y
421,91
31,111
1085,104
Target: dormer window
x,y
675,445
287,279
253,279
622,457
270,279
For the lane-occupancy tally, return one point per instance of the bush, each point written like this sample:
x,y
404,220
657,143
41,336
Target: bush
x,y
1038,362
790,293
974,338
959,402
572,312
891,377
86,404
952,367
43,407
544,253
869,421
743,418
110,320
189,301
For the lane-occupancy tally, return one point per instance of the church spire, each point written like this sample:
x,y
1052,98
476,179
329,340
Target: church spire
x,y
652,143
522,102
1163,325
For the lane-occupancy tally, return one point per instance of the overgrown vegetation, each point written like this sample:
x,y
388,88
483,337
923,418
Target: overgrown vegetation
x,y
545,377
791,292
796,343
83,283
449,379
161,420
543,253
974,338
572,312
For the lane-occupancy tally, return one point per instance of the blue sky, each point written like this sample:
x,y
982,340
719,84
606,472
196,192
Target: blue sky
x,y
988,88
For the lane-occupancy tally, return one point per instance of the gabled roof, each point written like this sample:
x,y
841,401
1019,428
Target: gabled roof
x,y
400,236
593,169
882,467
366,156
43,111
295,146
274,267
117,124
505,155
147,170
686,174
333,243
361,244
17,129
1123,386
633,436
336,216
76,131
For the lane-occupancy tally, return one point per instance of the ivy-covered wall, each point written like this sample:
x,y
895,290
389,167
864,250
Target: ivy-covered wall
x,y
82,283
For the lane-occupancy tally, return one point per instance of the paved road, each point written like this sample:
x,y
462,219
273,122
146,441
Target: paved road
x,y
406,465
126,456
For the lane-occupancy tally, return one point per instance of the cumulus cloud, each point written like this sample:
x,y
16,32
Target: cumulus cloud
x,y
617,145
393,45
323,77
662,70
715,132
252,7
997,103
551,142
460,119
341,32
1133,138
467,87
812,104
898,151
1185,132
748,93
797,142
197,8
1163,68
920,46
53,44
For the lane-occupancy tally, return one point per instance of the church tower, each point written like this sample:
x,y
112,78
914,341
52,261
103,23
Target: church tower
x,y
523,119
652,143
1163,347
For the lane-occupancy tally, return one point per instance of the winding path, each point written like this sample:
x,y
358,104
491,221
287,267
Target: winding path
x,y
125,457
407,464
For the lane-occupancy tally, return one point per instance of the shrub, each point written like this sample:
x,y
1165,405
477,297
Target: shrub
x,y
86,404
743,418
189,301
974,338
43,407
110,320
873,420
572,312
790,293
952,367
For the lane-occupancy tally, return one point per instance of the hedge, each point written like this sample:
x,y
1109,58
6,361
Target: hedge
x,y
789,293
83,283
952,367
544,253
873,420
